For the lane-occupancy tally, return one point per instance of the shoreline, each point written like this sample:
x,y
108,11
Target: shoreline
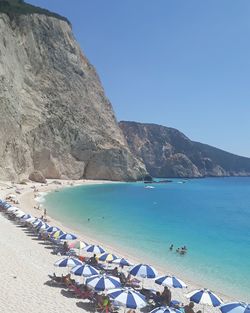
x,y
27,203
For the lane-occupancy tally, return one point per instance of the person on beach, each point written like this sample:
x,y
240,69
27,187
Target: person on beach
x,y
115,272
189,308
158,299
166,296
93,260
45,213
65,247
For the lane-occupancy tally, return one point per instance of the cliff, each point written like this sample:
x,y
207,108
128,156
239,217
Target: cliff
x,y
167,152
55,117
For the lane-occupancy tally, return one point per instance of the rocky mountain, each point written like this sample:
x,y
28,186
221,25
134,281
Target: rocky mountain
x,y
167,152
55,117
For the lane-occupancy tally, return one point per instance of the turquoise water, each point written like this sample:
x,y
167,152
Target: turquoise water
x,y
210,216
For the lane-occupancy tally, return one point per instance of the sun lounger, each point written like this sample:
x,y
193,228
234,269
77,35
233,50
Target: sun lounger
x,y
56,279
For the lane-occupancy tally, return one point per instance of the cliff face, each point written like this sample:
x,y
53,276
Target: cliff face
x,y
55,117
167,152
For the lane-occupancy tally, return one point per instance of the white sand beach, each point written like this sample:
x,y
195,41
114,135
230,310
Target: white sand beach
x,y
25,262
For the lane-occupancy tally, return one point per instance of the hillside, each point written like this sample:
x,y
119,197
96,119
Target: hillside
x,y
167,152
55,117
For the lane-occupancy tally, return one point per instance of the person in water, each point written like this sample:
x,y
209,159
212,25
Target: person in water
x,y
182,250
171,247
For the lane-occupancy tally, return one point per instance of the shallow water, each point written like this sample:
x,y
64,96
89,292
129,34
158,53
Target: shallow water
x,y
210,216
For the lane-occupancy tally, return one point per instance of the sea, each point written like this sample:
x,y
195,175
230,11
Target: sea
x,y
210,216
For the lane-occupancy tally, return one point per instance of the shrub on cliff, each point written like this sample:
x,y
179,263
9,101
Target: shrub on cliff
x,y
14,8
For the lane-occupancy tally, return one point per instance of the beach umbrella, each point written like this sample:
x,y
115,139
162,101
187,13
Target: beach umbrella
x,y
165,309
37,220
26,217
30,220
44,227
170,281
12,209
94,249
52,229
78,245
122,262
19,213
127,297
235,307
5,205
67,236
67,262
103,282
204,296
57,234
143,270
84,270
39,224
107,257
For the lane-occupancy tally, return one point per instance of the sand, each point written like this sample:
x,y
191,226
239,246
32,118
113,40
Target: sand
x,y
25,262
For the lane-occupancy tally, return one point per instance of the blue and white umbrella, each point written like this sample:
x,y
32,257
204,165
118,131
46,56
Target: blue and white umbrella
x,y
42,226
128,297
170,281
122,262
31,219
235,307
6,205
84,270
94,249
103,282
52,229
12,209
26,217
204,296
165,309
67,262
19,213
38,224
67,236
107,257
144,271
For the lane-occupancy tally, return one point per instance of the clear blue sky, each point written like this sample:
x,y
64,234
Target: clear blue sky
x,y
179,63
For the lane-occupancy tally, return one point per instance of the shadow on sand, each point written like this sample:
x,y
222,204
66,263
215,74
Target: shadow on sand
x,y
87,306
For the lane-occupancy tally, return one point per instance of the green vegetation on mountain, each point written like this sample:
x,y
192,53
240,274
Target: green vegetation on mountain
x,y
14,8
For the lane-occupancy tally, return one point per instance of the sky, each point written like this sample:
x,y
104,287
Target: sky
x,y
178,63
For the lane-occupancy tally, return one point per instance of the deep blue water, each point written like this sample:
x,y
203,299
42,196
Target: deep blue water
x,y
210,216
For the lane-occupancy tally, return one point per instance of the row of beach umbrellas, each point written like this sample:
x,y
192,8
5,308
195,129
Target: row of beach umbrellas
x,y
133,299
127,297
